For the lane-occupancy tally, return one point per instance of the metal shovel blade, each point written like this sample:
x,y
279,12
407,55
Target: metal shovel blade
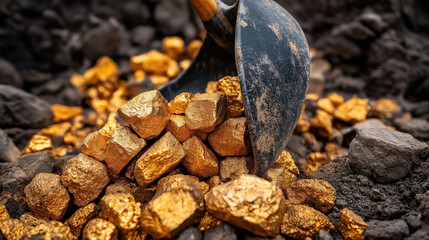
x,y
273,63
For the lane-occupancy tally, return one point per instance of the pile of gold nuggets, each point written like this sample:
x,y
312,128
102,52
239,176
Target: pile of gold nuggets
x,y
167,166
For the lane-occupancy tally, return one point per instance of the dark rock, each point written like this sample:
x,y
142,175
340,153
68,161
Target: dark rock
x,y
164,11
245,235
34,163
413,219
20,136
385,155
33,76
220,232
350,133
386,230
424,204
142,35
350,84
13,207
421,234
191,234
8,151
59,91
21,109
102,41
374,21
354,30
134,12
60,162
9,75
324,235
418,128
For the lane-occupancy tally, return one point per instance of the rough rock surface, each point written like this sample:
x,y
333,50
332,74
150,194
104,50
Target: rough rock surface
x,y
386,230
8,151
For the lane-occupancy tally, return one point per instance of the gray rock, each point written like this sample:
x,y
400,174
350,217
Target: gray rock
x,y
350,133
385,155
220,232
8,151
164,11
101,41
419,128
20,136
143,35
9,75
191,234
421,234
386,230
324,235
34,163
21,109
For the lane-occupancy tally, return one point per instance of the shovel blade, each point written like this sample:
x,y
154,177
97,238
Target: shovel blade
x,y
273,63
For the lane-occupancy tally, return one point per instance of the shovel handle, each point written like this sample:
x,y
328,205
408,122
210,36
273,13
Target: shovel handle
x,y
205,9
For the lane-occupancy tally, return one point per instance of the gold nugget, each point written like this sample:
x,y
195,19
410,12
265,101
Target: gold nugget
x,y
180,102
231,87
351,225
100,229
177,126
80,218
231,138
173,46
199,159
352,111
205,112
234,167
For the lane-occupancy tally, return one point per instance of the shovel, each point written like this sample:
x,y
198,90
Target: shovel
x,y
263,44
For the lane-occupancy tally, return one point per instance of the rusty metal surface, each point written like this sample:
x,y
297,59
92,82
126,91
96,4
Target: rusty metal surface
x,y
273,63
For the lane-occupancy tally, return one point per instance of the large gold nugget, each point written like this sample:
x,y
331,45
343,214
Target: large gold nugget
x,y
162,157
123,146
248,202
199,159
177,126
279,176
177,205
301,222
205,112
233,167
94,145
81,217
100,229
46,196
351,225
231,138
180,102
122,210
147,113
85,178
52,230
312,192
231,87
13,229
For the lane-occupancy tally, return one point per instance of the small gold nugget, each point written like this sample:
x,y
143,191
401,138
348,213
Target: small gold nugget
x,y
231,138
302,221
52,230
180,102
94,145
173,47
248,202
85,178
177,126
98,229
280,176
351,225
147,114
312,192
80,218
352,111
199,159
162,157
46,196
233,167
205,111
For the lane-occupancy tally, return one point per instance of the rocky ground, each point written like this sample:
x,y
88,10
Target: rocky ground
x,y
374,50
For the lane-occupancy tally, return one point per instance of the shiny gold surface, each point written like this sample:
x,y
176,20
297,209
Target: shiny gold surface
x,y
287,162
122,147
79,218
326,105
156,63
280,176
205,111
303,125
180,102
208,221
214,181
234,167
312,192
352,111
177,126
231,87
4,215
322,124
177,205
94,145
212,87
385,108
351,225
147,114
85,178
193,48
162,157
302,221
315,160
122,210
46,196
53,230
64,113
199,159
231,138
173,46
100,229
32,219
258,209
38,143
13,229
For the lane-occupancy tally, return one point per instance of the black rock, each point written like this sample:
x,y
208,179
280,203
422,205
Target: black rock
x,y
34,163
164,12
220,232
385,155
421,234
102,41
20,136
13,207
386,230
413,219
9,75
21,109
418,128
8,151
191,234
424,204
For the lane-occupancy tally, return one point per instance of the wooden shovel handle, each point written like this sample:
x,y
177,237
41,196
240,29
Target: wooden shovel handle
x,y
206,9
